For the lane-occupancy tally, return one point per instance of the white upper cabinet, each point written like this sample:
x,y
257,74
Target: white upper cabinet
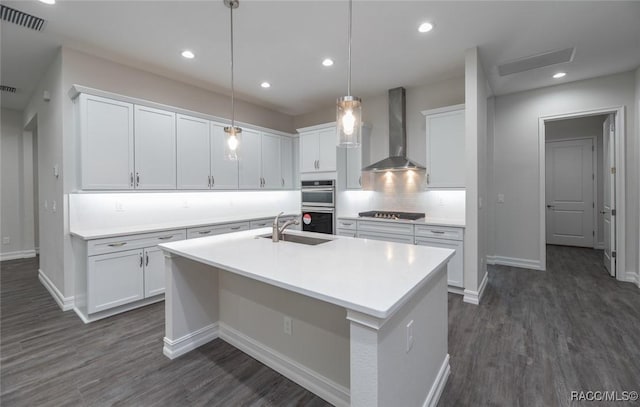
x,y
106,143
445,147
224,172
249,160
270,161
193,153
155,148
318,149
286,160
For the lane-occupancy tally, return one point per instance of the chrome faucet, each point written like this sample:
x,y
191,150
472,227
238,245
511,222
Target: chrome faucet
x,y
277,232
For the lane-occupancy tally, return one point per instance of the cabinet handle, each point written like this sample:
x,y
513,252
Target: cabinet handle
x,y
213,181
282,181
131,179
119,244
141,260
209,181
428,179
165,237
439,232
204,232
347,224
235,228
137,179
146,260
360,180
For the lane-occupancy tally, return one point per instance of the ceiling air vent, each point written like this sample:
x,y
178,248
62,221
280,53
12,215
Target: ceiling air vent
x,y
18,17
537,61
5,88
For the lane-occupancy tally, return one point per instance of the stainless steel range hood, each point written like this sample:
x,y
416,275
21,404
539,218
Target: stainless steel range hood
x,y
397,159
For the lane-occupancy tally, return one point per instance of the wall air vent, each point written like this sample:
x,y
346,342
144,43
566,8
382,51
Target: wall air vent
x,y
18,17
537,61
5,88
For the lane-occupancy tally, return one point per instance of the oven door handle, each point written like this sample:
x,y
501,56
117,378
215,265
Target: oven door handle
x,y
317,189
320,210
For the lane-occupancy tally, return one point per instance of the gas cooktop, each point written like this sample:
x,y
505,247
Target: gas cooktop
x,y
392,215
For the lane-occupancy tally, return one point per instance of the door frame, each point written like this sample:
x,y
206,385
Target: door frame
x,y
594,197
620,137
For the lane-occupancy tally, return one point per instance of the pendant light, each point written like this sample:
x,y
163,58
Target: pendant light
x,y
349,108
233,132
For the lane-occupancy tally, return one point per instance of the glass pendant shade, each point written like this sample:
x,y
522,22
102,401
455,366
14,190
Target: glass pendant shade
x,y
349,121
233,142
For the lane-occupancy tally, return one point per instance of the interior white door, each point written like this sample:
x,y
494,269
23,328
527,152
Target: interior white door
x,y
569,192
192,135
608,143
155,148
224,172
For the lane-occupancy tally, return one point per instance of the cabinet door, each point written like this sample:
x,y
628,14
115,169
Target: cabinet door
x,y
385,237
346,232
249,161
296,163
114,279
286,159
445,150
193,151
354,167
155,148
224,172
327,149
455,268
309,145
270,162
153,272
106,143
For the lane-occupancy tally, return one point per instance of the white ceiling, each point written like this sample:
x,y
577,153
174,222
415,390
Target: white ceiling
x,y
285,41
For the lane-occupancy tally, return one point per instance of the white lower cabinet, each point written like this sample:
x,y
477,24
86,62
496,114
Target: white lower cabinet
x,y
387,237
455,269
346,232
114,279
153,272
212,230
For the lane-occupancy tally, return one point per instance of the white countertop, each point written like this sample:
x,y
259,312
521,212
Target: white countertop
x,y
458,223
89,234
368,276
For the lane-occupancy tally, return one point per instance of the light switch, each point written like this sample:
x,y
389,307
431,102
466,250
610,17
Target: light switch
x,y
500,198
409,336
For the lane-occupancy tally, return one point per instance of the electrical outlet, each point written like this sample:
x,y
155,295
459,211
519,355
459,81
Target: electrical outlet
x,y
119,207
409,336
500,198
53,206
441,201
185,204
288,325
6,240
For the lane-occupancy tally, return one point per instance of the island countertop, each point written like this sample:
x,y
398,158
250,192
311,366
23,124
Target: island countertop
x,y
372,277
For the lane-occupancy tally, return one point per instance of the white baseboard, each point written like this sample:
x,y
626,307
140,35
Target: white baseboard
x,y
455,290
599,246
20,254
515,262
117,310
180,346
438,386
327,389
631,277
474,297
65,303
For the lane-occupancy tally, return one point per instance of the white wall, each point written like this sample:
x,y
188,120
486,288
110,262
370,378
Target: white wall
x,y
584,127
16,209
638,172
475,236
375,112
516,160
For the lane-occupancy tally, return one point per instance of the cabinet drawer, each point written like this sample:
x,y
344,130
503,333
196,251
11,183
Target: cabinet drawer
x,y
203,231
386,237
439,232
386,227
349,224
117,244
346,232
263,223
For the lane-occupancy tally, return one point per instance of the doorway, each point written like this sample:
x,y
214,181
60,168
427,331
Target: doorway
x,y
581,183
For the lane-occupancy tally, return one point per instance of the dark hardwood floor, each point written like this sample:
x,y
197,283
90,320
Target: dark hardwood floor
x,y
536,337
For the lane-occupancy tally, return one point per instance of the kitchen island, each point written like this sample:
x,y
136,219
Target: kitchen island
x,y
358,322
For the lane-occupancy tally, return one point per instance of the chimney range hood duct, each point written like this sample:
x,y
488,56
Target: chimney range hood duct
x,y
397,159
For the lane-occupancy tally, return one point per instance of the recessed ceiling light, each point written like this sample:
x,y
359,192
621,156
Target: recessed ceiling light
x,y
48,1
327,62
265,85
425,27
188,54
559,75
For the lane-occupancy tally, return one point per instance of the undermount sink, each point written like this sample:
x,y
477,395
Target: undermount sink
x,y
311,241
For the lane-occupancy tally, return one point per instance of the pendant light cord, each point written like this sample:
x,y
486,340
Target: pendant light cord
x,y
233,104
349,59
